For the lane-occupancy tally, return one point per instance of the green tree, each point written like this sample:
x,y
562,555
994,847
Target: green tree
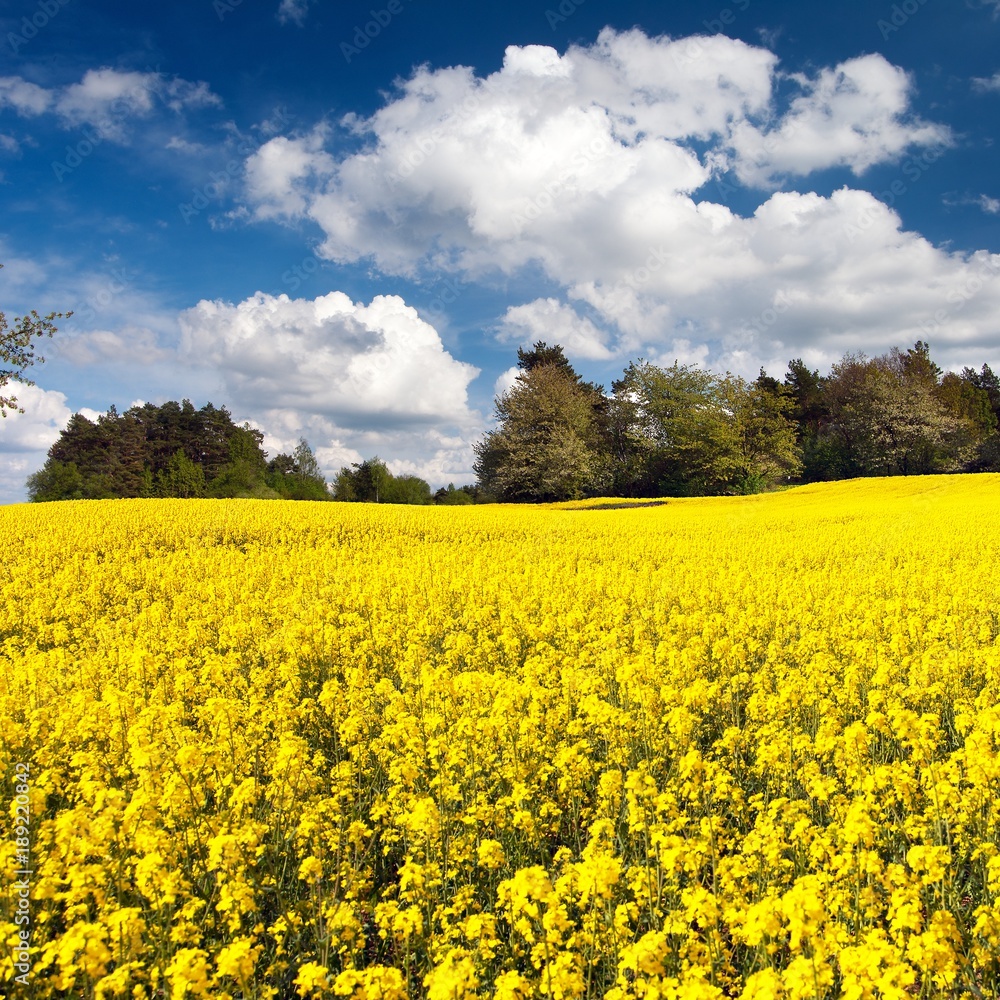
x,y
56,481
546,444
630,447
674,430
343,487
966,401
988,382
122,454
887,417
18,344
846,432
408,489
974,398
763,442
245,474
298,476
450,497
371,481
181,477
805,387
306,463
811,415
599,442
368,481
168,450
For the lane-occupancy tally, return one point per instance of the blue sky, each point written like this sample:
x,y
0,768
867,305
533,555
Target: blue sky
x,y
341,219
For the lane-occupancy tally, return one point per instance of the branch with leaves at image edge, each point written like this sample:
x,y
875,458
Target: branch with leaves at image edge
x,y
17,350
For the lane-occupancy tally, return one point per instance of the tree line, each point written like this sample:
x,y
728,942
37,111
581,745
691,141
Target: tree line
x,y
176,450
371,481
661,431
680,430
173,450
684,431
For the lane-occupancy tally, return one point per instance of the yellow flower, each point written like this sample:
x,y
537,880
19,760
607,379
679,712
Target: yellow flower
x,y
511,986
490,854
646,955
237,960
188,973
454,978
763,985
312,979
311,869
382,983
505,752
931,863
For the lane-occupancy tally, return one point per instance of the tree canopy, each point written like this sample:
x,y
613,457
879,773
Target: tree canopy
x,y
172,450
543,448
684,430
176,450
371,481
680,430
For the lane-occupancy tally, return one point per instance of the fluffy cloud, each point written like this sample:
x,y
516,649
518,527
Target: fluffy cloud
x,y
26,437
24,97
331,356
592,168
283,172
355,379
45,415
555,322
505,380
102,92
456,164
854,115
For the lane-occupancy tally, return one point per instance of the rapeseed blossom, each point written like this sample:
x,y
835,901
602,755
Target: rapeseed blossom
x,y
733,747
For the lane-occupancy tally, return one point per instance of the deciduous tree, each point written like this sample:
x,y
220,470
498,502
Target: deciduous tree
x,y
675,424
888,418
764,449
18,344
545,446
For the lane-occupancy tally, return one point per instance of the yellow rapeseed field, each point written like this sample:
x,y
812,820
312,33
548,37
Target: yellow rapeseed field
x,y
738,747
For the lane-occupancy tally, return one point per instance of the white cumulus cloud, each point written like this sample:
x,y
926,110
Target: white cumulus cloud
x,y
330,356
556,323
24,97
281,174
45,415
355,379
854,115
506,380
591,167
25,438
